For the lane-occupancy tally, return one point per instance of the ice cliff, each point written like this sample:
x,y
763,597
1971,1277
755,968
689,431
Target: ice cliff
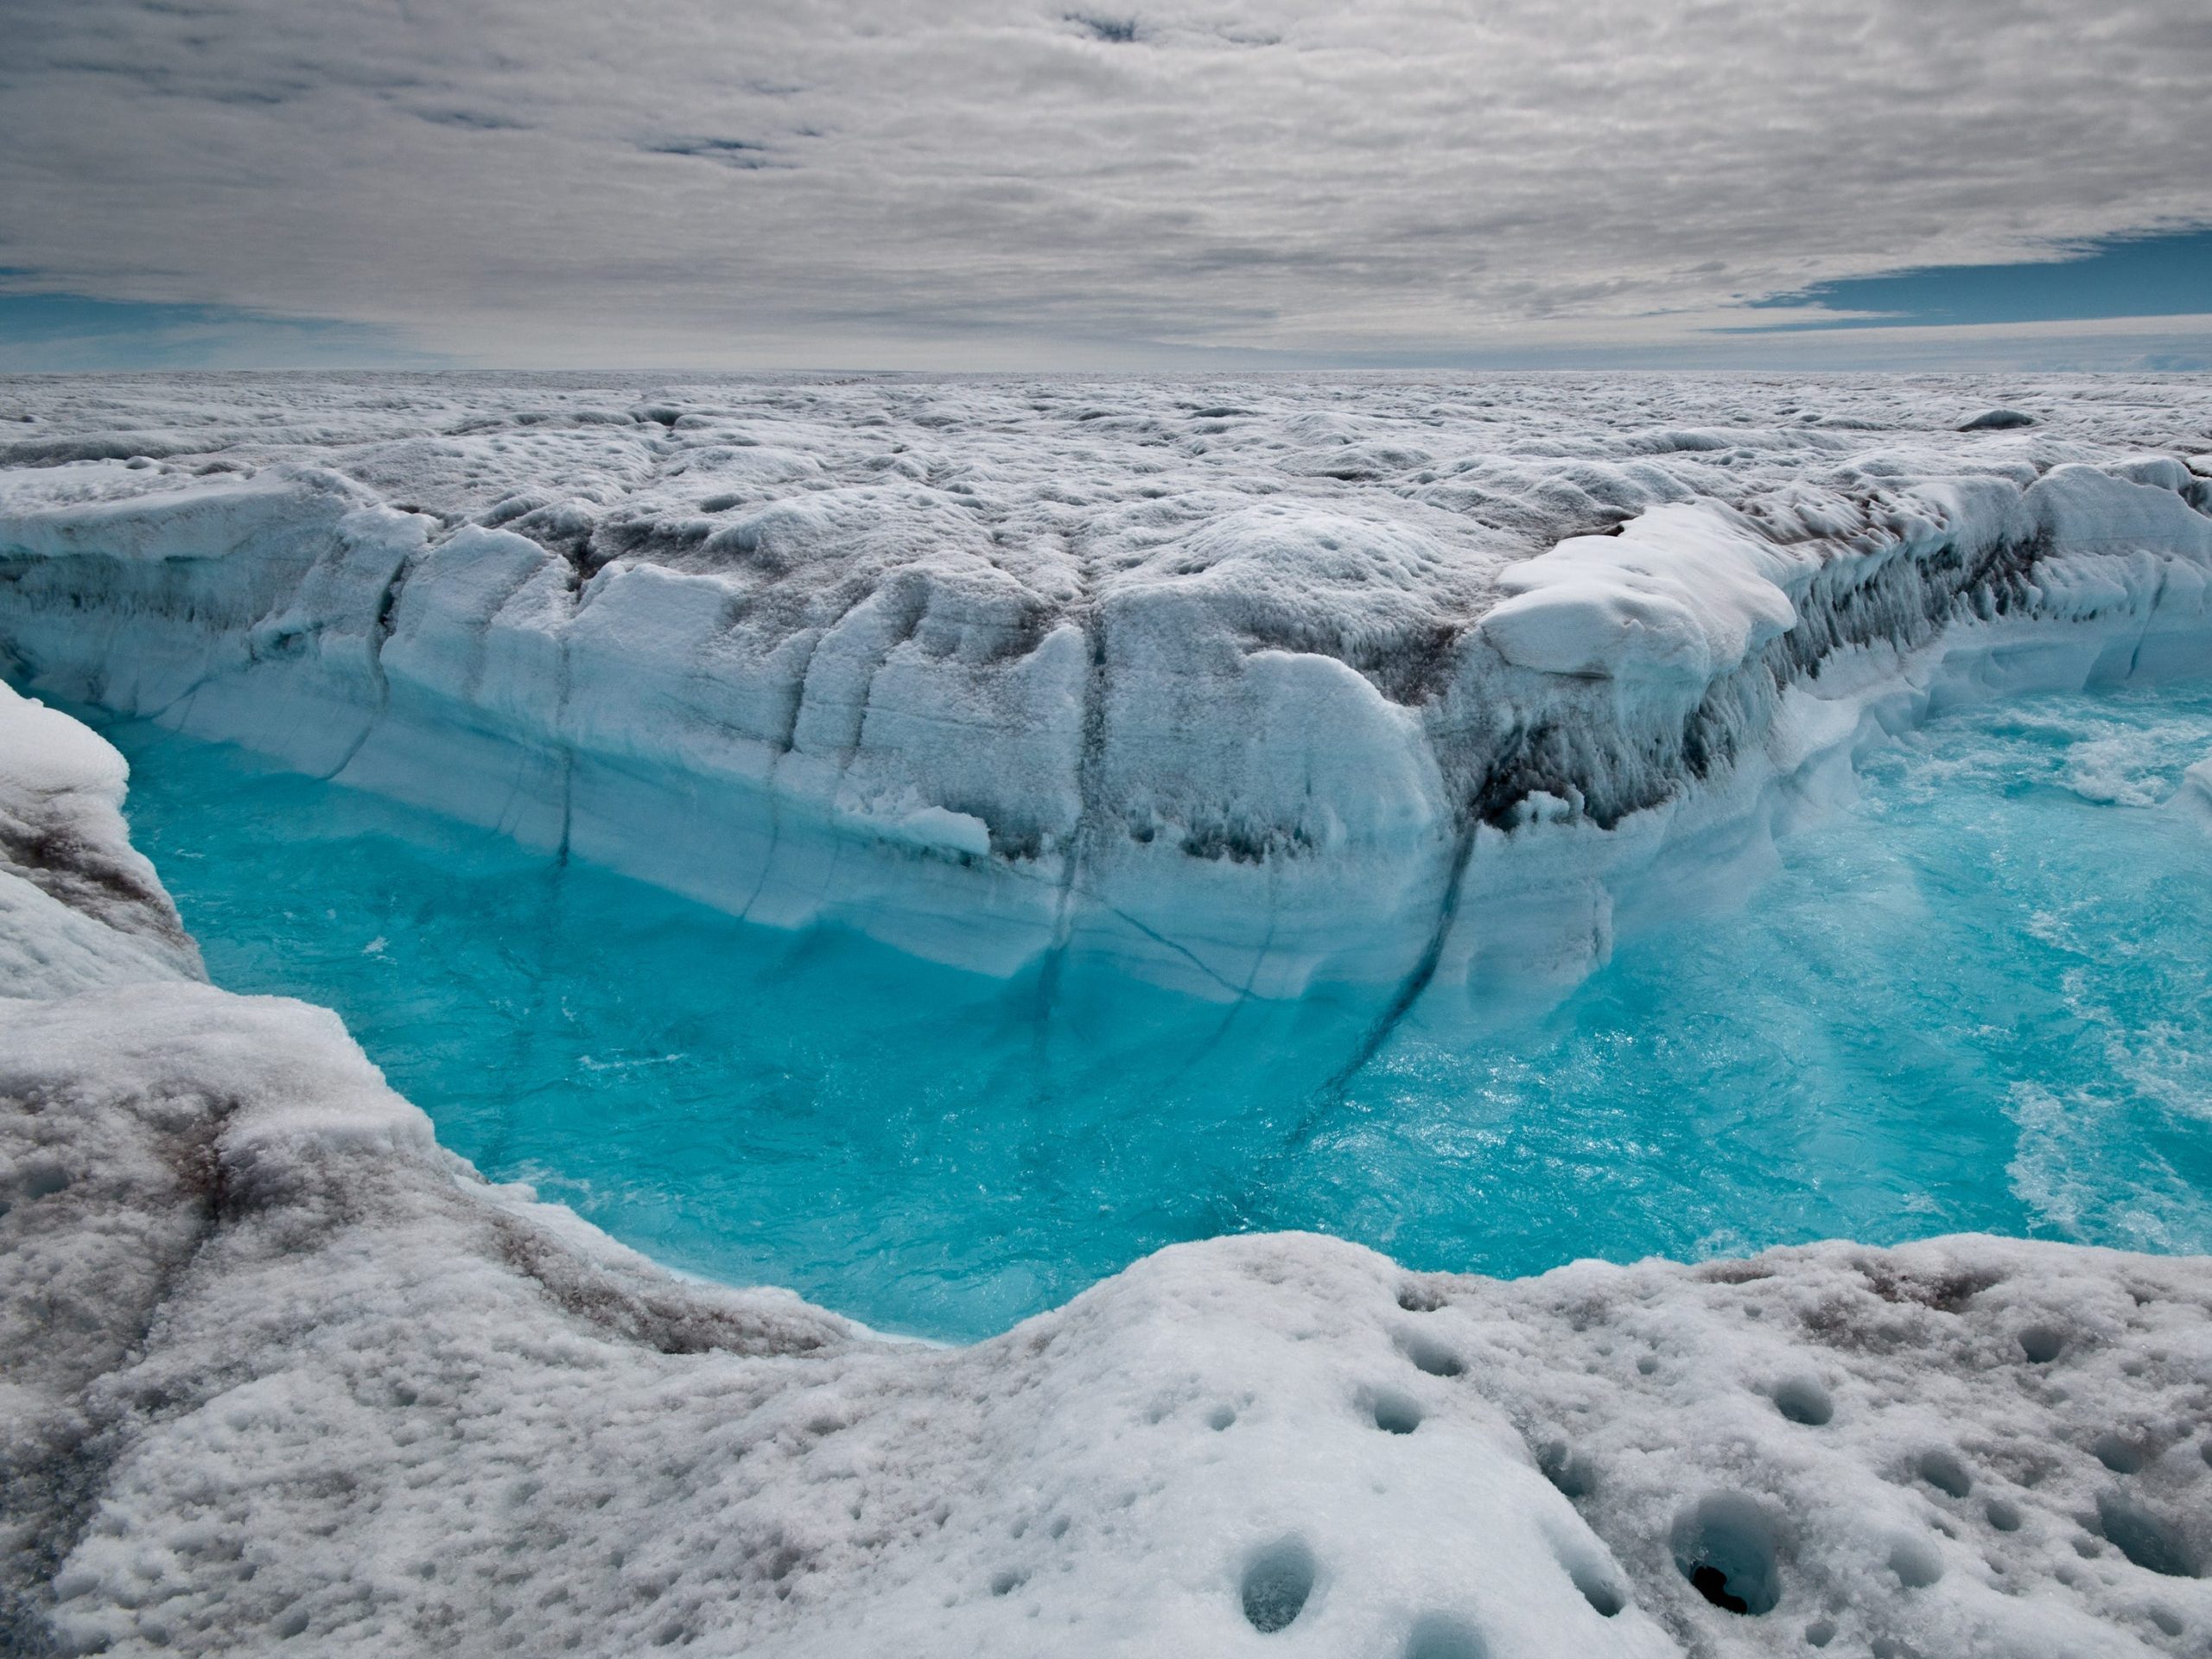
x,y
1241,688
278,1373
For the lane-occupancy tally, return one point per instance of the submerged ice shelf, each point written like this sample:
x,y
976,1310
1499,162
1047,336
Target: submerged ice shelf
x,y
1980,998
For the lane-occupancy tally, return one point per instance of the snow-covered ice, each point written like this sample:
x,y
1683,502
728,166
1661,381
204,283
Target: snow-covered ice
x,y
1241,687
1350,684
79,905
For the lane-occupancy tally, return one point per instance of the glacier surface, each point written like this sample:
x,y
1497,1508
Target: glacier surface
x,y
1243,688
277,1369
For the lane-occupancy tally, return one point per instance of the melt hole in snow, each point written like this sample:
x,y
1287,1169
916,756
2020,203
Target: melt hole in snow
x,y
1397,1415
2117,1454
1606,1597
1820,1632
2042,1345
1006,1581
2149,1541
1437,1636
1431,1355
1945,1473
41,1179
1915,1562
1221,1417
1567,1470
1276,1584
1804,1400
2003,1515
1725,1547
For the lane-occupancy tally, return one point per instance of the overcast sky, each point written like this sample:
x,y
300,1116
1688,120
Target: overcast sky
x,y
1006,183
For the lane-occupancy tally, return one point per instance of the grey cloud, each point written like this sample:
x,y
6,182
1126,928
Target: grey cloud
x,y
1121,31
743,154
519,180
482,120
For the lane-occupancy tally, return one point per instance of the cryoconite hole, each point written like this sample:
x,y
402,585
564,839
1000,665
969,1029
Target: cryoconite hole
x,y
1944,1471
1595,1580
1726,1547
1804,1400
2147,1538
1431,1355
1277,1582
1395,1414
2122,1457
1915,1562
1977,1000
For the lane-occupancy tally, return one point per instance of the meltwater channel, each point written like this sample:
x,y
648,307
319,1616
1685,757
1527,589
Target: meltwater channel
x,y
1980,998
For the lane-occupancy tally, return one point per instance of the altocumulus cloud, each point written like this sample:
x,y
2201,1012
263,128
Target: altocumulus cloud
x,y
987,181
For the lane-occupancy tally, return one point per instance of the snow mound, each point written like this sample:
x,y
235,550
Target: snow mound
x,y
275,1366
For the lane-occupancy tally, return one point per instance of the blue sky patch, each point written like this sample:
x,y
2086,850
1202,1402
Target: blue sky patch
x,y
74,334
2160,276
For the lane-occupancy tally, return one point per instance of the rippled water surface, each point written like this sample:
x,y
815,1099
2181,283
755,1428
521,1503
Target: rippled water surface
x,y
1977,999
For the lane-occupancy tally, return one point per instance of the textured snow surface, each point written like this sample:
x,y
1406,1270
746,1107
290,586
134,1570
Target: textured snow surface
x,y
79,905
276,1368
1241,685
